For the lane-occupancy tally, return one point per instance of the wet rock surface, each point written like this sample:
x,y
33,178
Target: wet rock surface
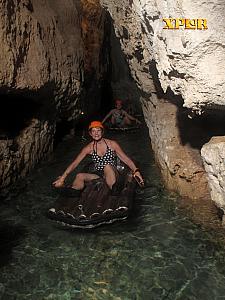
x,y
180,164
213,154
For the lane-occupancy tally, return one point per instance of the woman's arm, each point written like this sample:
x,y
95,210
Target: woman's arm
x,y
115,146
131,117
60,180
107,116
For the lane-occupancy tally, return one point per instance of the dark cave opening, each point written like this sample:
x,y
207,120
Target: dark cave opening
x,y
198,130
15,114
65,128
62,128
106,101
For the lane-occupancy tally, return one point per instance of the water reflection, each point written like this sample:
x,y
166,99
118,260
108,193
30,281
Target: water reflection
x,y
157,254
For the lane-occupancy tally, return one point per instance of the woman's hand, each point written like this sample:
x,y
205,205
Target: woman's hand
x,y
139,178
138,122
59,182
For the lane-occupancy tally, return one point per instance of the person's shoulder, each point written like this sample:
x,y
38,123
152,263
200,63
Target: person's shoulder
x,y
88,148
111,143
108,141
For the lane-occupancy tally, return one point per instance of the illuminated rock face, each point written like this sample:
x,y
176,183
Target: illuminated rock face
x,y
176,69
180,164
190,62
213,154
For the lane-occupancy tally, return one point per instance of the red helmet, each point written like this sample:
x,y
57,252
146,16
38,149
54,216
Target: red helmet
x,y
94,124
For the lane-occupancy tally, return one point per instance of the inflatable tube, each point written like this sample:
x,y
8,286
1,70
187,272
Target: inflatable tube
x,y
96,205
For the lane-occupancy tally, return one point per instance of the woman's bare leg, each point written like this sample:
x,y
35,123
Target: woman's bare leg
x,y
110,176
81,178
126,121
113,121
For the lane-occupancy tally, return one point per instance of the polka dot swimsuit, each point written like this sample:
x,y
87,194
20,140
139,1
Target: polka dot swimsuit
x,y
109,158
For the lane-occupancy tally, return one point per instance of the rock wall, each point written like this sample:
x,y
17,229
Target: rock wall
x,y
46,56
17,157
180,165
213,154
175,70
41,49
189,62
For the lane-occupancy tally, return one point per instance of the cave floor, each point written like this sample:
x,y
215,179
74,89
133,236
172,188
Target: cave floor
x,y
163,251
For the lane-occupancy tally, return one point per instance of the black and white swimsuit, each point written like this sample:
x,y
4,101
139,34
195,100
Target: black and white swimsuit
x,y
109,158
118,115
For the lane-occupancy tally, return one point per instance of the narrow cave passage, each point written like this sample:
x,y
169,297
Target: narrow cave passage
x,y
105,75
98,96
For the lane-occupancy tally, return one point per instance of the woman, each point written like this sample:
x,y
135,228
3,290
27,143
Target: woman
x,y
103,153
119,117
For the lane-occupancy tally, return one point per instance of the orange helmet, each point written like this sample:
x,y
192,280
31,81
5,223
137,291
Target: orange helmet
x,y
94,124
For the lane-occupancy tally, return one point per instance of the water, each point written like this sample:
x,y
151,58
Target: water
x,y
157,254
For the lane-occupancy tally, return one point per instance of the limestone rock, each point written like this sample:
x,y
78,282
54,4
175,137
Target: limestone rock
x,y
213,154
189,62
41,49
18,156
185,63
46,56
181,166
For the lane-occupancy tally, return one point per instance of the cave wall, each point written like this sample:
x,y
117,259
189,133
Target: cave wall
x,y
189,62
213,154
175,70
41,49
180,165
47,55
18,156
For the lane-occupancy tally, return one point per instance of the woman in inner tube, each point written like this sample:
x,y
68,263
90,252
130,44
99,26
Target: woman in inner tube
x,y
103,153
119,117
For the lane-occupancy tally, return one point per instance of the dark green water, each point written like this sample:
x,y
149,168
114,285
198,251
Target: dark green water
x,y
157,254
